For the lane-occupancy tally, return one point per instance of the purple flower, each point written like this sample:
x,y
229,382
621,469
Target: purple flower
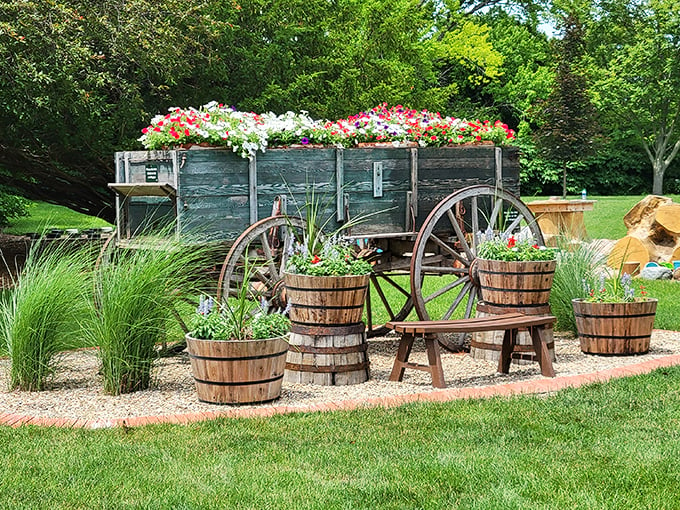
x,y
304,140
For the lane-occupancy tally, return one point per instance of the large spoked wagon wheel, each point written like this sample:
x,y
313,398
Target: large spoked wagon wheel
x,y
265,246
444,279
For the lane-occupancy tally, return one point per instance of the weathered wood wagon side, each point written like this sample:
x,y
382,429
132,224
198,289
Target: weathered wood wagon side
x,y
418,232
217,194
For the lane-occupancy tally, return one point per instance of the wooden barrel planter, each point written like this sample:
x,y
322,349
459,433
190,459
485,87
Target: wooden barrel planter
x,y
328,338
512,284
615,328
238,371
487,345
327,355
326,300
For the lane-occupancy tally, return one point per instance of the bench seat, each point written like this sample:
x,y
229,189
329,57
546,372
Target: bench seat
x,y
511,323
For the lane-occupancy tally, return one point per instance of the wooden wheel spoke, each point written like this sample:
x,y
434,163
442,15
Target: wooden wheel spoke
x,y
514,224
269,257
461,295
381,295
471,302
446,288
395,285
475,223
460,235
494,213
449,250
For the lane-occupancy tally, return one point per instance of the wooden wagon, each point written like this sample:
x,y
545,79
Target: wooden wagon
x,y
426,204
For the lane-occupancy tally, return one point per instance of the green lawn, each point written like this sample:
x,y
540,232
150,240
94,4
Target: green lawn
x,y
605,446
44,216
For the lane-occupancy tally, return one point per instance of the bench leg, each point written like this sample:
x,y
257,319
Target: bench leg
x,y
509,340
542,354
404,351
435,361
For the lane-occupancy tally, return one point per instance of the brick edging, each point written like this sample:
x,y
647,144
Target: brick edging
x,y
544,385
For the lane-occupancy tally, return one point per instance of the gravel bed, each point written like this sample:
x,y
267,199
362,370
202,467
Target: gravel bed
x,y
76,388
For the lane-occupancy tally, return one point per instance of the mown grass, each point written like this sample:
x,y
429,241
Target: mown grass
x,y
44,216
614,445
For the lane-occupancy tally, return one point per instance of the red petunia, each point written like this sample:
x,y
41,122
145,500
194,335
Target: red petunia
x,y
316,259
511,242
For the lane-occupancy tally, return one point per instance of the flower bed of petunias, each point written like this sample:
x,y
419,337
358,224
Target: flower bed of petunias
x,y
246,133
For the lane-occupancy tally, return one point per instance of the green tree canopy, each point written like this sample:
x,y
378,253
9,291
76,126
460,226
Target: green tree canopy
x,y
636,44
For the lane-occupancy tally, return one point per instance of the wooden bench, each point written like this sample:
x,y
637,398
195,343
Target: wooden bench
x,y
427,330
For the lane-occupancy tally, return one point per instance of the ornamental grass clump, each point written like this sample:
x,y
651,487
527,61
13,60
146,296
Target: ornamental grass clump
x,y
136,291
574,264
40,316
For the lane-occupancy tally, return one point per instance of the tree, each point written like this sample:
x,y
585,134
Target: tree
x,y
78,80
637,45
568,124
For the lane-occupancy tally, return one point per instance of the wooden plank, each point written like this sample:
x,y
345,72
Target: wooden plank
x,y
144,189
252,188
339,184
413,205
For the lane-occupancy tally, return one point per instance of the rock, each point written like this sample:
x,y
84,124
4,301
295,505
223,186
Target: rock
x,y
656,273
676,274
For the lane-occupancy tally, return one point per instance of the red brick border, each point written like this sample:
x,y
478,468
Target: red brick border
x,y
522,387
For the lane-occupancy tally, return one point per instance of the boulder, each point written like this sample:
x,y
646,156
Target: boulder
x,y
656,273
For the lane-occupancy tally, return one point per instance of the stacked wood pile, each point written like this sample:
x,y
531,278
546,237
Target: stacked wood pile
x,y
653,233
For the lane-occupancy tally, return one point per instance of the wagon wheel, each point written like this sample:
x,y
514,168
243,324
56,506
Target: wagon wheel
x,y
266,244
444,280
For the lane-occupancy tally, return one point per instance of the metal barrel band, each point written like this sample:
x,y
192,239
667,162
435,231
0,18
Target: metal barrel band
x,y
327,307
308,349
620,316
239,383
514,307
621,337
505,289
330,330
238,358
486,271
334,289
327,369
295,324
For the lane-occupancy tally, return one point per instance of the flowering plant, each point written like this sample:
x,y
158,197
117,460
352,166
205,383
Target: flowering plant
x,y
215,321
614,290
246,316
336,257
509,248
246,133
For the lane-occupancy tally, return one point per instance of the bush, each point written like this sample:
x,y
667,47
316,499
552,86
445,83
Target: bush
x,y
11,206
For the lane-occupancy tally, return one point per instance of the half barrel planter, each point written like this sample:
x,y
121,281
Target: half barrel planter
x,y
615,328
512,287
327,344
238,371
